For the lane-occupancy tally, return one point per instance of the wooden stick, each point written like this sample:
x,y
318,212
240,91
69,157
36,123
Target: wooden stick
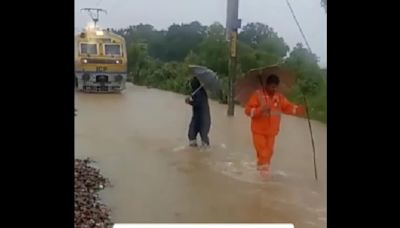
x,y
312,137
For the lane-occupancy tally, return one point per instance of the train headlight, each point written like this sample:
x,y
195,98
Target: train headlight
x,y
117,62
84,61
118,78
86,77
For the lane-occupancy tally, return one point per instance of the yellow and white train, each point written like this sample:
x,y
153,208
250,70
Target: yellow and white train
x,y
100,61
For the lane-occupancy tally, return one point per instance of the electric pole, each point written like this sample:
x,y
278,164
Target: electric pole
x,y
94,14
232,25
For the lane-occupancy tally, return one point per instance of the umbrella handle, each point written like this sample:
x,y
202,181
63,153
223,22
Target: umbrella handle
x,y
262,86
197,90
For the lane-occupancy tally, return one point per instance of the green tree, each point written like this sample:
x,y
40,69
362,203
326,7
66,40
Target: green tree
x,y
145,33
262,37
250,58
213,51
138,59
310,82
181,39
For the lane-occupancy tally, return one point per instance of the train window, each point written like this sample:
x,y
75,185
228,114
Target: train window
x,y
90,49
112,49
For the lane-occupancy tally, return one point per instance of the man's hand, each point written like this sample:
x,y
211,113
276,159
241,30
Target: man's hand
x,y
301,111
188,100
265,110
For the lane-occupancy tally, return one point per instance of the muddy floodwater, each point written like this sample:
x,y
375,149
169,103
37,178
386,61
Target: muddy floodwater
x,y
139,138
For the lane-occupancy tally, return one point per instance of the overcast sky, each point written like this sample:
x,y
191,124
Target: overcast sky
x,y
162,13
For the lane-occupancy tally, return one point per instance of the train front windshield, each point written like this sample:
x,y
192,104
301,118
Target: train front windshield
x,y
112,49
90,49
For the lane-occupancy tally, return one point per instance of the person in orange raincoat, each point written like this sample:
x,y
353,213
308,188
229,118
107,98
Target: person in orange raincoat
x,y
264,108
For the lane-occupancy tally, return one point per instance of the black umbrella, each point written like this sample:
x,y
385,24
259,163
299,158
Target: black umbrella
x,y
207,78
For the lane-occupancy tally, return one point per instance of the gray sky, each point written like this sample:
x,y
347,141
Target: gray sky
x,y
163,13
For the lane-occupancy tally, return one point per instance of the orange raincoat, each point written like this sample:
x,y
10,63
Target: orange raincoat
x,y
265,125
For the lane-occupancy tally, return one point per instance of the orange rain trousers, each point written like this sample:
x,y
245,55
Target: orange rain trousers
x,y
264,146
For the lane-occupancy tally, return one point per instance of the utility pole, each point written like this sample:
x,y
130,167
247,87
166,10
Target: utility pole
x,y
232,25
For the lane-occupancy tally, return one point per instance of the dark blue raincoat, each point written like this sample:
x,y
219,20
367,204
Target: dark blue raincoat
x,y
201,119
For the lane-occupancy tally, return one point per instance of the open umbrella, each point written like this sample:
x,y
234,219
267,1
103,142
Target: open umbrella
x,y
252,81
207,78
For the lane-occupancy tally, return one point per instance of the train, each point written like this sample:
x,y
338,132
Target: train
x,y
100,61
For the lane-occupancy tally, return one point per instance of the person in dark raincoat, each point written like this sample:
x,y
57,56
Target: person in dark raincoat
x,y
201,120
